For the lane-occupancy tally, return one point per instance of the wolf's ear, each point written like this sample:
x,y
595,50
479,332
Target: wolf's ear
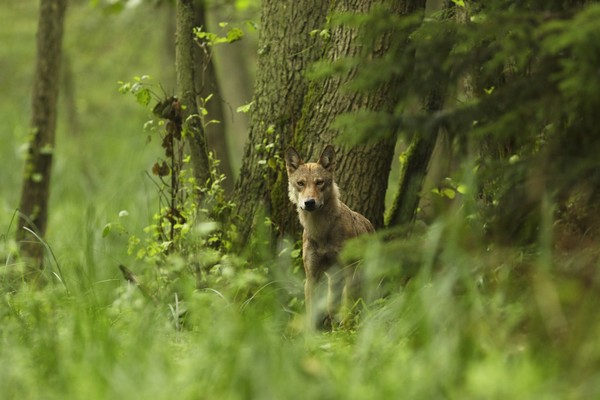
x,y
292,160
327,159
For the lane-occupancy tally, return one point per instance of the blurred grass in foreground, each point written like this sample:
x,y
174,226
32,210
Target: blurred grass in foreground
x,y
470,323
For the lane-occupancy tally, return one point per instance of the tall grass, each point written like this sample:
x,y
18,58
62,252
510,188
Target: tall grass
x,y
470,323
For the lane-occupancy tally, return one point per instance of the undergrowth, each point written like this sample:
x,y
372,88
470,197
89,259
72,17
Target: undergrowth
x,y
445,317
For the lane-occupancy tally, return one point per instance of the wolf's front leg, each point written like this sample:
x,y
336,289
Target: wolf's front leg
x,y
335,294
316,302
308,297
351,295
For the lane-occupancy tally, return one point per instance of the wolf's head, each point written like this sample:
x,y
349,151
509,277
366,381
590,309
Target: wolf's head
x,y
311,185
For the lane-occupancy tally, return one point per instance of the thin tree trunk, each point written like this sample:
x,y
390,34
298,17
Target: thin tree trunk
x,y
208,84
414,171
419,153
69,97
186,70
73,126
36,183
235,82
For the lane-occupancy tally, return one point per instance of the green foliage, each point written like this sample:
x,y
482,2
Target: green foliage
x,y
245,108
188,238
232,34
110,6
468,322
519,86
139,88
270,160
450,189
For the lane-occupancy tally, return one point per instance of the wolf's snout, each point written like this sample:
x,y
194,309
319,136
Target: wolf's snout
x,y
310,205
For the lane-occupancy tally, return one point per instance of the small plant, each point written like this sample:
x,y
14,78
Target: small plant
x,y
204,38
187,238
227,34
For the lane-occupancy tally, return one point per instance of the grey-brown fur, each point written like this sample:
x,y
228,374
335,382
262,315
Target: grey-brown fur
x,y
327,224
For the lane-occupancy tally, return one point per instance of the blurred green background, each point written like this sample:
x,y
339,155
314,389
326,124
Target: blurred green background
x,y
102,152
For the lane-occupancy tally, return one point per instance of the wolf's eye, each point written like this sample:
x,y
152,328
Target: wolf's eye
x,y
320,182
300,183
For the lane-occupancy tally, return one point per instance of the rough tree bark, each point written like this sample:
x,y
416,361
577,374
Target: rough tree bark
x,y
289,109
362,171
207,83
35,193
286,49
186,71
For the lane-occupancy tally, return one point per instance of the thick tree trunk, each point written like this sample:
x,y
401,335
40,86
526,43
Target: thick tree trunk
x,y
286,49
291,110
186,83
362,172
36,183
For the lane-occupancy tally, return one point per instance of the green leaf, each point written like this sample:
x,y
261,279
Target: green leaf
x,y
47,149
449,193
106,230
143,96
37,177
234,35
124,87
325,34
245,108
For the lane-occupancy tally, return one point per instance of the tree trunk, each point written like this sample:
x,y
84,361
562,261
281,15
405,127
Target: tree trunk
x,y
186,71
419,153
36,183
69,97
291,110
286,49
235,82
414,171
361,172
207,84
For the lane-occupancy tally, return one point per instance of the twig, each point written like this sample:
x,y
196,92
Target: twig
x,y
131,278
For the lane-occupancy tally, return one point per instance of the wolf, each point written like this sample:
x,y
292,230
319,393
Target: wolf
x,y
327,223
